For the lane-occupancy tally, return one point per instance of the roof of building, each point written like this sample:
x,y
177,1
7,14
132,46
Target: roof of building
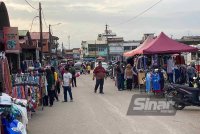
x,y
76,48
190,38
96,42
23,32
36,35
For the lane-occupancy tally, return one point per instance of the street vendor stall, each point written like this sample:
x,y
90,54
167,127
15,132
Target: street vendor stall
x,y
160,51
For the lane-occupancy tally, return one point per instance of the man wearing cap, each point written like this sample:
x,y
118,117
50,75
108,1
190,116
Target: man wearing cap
x,y
99,74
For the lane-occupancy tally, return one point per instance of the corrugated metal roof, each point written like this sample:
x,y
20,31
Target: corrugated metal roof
x,y
36,35
22,32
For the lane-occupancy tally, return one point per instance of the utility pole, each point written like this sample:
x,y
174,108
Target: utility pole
x,y
107,42
41,37
50,42
57,49
69,41
95,50
62,50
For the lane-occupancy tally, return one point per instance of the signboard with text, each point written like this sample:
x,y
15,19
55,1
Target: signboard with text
x,y
11,39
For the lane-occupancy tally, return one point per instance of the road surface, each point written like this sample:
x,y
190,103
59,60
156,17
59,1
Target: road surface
x,y
92,113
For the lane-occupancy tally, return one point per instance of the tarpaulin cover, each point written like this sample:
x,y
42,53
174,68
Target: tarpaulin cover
x,y
161,45
165,45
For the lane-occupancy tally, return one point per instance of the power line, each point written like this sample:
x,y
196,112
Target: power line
x,y
140,14
32,22
44,19
31,5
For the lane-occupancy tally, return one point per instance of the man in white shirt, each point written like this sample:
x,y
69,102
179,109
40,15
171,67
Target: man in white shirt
x,y
67,80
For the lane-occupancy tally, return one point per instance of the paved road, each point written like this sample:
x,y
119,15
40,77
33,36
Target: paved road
x,y
92,113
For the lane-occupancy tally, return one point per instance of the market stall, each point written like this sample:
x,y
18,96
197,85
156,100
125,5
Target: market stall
x,y
13,111
159,54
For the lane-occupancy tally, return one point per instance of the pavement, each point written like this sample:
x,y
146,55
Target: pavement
x,y
92,113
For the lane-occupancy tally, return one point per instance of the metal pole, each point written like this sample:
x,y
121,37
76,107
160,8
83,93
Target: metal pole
x,y
50,42
107,42
69,41
62,50
41,37
95,50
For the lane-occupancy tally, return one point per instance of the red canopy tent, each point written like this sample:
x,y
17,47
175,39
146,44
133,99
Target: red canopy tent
x,y
139,49
165,45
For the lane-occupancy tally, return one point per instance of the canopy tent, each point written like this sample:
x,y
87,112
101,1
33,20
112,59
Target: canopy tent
x,y
165,45
139,49
100,58
161,45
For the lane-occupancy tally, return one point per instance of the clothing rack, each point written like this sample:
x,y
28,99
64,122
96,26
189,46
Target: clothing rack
x,y
37,82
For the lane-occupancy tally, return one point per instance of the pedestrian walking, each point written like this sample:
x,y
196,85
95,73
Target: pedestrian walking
x,y
128,76
50,86
99,73
73,72
88,68
120,76
67,80
135,77
55,80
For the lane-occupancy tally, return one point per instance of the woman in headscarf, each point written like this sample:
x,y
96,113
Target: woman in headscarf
x,y
50,86
129,76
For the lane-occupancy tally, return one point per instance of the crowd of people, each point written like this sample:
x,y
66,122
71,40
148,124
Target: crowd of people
x,y
64,77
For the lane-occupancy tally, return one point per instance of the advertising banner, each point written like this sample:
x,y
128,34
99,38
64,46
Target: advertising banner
x,y
11,39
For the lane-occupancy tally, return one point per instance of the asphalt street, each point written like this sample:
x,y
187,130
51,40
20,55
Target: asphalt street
x,y
92,113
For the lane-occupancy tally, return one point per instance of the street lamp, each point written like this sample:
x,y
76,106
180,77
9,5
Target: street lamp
x,y
50,38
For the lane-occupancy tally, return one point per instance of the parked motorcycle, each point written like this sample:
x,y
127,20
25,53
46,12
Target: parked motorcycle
x,y
183,96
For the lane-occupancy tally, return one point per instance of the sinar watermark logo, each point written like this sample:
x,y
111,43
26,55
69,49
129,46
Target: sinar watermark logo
x,y
150,106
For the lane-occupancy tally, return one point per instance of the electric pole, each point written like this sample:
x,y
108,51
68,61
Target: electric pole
x,y
41,37
107,42
50,42
62,50
95,50
69,41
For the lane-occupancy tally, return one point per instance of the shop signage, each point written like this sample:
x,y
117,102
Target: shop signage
x,y
103,53
11,39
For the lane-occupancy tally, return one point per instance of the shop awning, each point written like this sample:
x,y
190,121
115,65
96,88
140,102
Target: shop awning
x,y
139,50
165,45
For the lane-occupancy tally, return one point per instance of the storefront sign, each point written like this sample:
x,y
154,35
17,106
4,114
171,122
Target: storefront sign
x,y
104,52
11,39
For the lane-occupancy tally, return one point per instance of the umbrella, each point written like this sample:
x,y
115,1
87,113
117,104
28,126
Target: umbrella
x,y
100,58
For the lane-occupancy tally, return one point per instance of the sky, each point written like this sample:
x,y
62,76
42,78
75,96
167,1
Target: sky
x,y
83,20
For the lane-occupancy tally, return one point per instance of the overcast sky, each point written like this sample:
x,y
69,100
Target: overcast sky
x,y
84,19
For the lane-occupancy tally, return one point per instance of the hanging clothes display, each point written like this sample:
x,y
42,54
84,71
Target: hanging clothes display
x,y
148,82
156,82
31,87
141,63
5,80
155,62
179,60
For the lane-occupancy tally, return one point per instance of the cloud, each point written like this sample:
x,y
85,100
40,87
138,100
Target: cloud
x,y
84,19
